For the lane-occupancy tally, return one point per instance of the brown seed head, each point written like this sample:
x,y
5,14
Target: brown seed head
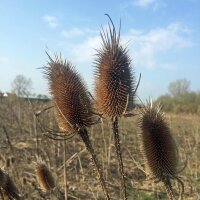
x,y
73,106
3,178
114,83
9,188
44,177
159,147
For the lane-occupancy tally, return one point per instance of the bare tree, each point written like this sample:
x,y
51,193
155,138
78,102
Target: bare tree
x,y
22,86
179,87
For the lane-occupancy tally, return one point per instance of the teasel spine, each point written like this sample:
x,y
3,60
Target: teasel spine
x,y
73,106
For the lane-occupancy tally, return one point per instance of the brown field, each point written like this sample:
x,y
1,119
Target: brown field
x,y
21,140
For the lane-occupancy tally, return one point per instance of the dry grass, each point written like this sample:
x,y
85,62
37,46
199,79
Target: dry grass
x,y
82,184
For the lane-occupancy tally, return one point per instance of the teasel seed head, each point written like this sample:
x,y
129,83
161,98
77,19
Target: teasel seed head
x,y
114,76
73,107
10,190
44,177
3,178
159,147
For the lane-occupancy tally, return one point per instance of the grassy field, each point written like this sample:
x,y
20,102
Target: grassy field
x,y
22,141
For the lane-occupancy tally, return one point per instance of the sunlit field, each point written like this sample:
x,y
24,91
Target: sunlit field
x,y
24,141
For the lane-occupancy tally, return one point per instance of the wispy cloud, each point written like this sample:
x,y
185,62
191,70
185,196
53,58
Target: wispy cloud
x,y
75,32
155,5
51,20
84,51
147,47
72,32
143,3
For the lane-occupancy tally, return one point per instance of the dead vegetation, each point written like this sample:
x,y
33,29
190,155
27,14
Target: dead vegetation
x,y
19,135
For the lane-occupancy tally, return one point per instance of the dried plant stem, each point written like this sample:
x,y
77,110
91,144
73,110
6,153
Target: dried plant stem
x,y
65,170
8,139
105,149
85,137
168,186
1,193
115,127
36,134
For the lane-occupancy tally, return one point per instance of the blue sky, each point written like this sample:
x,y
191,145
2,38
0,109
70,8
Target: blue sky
x,y
163,37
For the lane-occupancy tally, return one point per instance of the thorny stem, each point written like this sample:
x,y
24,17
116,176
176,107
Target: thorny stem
x,y
168,186
115,127
85,137
65,171
182,187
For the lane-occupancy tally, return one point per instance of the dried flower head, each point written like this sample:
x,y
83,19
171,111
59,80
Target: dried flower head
x,y
114,77
159,147
10,190
158,144
73,105
3,178
44,177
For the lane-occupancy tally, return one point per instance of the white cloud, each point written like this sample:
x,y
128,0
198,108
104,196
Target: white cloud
x,y
144,3
72,32
75,32
51,20
154,4
147,47
84,51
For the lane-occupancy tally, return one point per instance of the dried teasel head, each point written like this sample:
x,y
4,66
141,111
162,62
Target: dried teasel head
x,y
10,190
159,146
44,177
73,107
3,178
114,76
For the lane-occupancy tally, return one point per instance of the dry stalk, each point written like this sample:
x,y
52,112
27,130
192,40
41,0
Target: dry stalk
x,y
65,170
8,139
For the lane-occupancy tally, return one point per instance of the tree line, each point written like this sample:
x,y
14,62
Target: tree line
x,y
180,99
